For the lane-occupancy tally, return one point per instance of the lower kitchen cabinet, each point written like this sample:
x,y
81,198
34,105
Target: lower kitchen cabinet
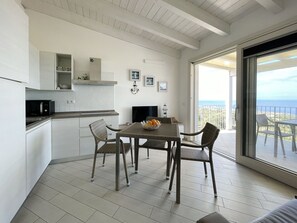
x,y
86,139
65,138
38,152
72,137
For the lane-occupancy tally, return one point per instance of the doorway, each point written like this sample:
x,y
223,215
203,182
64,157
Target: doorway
x,y
215,95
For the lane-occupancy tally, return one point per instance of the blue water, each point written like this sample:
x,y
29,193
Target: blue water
x,y
279,106
268,103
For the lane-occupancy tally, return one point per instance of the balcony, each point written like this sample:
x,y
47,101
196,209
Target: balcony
x,y
225,143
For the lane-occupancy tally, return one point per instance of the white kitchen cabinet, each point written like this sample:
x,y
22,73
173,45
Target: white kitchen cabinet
x,y
65,138
87,143
14,36
34,72
56,71
12,148
38,152
47,70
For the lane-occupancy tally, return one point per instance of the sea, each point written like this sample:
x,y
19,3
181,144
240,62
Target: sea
x,y
284,106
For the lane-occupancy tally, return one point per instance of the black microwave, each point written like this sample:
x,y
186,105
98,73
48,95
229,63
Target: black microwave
x,y
39,108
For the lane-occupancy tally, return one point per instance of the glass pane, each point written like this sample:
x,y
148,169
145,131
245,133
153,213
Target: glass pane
x,y
217,99
276,108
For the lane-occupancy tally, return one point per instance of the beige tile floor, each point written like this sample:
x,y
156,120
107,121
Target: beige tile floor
x,y
64,193
226,144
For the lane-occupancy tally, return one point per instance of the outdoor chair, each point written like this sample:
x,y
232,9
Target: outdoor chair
x,y
197,152
99,131
160,144
267,127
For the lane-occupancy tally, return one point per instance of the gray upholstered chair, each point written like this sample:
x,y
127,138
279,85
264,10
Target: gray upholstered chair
x,y
99,131
197,152
160,144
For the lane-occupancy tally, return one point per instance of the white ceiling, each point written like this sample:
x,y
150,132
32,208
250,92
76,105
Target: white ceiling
x,y
167,26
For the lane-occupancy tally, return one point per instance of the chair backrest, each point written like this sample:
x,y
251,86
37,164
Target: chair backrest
x,y
209,135
262,120
164,120
98,129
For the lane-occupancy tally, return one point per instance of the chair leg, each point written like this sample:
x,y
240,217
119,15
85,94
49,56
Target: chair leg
x,y
103,163
125,167
205,169
265,139
148,153
213,179
172,175
94,164
132,161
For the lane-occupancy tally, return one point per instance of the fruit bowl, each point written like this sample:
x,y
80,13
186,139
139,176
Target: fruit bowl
x,y
151,124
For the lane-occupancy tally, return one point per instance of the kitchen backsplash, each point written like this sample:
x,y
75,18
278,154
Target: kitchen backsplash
x,y
83,98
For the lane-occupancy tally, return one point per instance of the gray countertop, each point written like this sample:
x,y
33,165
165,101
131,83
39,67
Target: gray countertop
x,y
35,121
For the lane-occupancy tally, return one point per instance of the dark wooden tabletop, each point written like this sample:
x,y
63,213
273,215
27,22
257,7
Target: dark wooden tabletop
x,y
164,132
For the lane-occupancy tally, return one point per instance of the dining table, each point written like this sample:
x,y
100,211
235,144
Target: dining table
x,y
167,132
292,123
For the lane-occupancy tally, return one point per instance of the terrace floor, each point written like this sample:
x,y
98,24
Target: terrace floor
x,y
64,193
226,145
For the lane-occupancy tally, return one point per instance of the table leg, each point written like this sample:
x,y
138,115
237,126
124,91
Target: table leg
x,y
293,138
276,134
136,153
178,172
117,167
168,160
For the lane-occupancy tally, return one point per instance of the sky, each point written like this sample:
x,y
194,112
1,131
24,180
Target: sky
x,y
278,84
213,84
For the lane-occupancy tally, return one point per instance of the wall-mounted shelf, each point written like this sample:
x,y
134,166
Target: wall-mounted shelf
x,y
98,83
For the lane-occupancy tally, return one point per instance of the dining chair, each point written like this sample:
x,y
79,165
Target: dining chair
x,y
130,141
160,144
99,131
197,152
267,127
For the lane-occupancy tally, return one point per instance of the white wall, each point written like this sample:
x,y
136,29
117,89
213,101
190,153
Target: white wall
x,y
117,57
248,27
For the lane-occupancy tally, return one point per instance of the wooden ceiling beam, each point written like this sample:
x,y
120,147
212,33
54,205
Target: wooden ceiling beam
x,y
197,15
80,20
274,6
141,22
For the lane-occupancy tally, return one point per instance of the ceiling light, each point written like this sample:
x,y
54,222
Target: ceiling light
x,y
227,63
268,62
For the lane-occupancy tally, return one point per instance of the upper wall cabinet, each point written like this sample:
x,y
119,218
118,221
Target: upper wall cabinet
x,y
14,32
34,73
56,71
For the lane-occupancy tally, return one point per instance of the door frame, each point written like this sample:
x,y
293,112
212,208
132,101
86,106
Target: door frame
x,y
274,172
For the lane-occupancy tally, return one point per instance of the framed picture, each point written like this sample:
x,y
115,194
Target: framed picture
x,y
149,81
134,75
162,86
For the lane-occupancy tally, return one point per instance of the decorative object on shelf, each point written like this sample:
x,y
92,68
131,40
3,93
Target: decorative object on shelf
x,y
164,110
134,89
162,86
84,76
134,75
64,86
149,81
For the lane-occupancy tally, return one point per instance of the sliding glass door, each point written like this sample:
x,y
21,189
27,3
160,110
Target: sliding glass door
x,y
269,106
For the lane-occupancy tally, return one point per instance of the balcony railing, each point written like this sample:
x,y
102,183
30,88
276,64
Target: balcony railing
x,y
216,114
